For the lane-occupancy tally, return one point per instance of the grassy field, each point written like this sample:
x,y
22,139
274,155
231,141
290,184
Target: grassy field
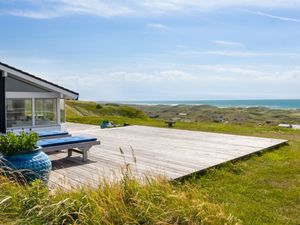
x,y
82,108
205,113
262,189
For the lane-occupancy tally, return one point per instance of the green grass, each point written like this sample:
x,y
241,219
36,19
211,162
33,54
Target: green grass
x,y
125,202
83,108
262,189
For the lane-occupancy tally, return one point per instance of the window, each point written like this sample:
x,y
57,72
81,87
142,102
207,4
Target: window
x,y
18,113
45,112
62,111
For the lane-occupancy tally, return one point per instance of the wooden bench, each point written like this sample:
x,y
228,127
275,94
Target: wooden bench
x,y
170,123
77,144
52,134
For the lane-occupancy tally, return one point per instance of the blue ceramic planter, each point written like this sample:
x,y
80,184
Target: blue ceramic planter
x,y
32,165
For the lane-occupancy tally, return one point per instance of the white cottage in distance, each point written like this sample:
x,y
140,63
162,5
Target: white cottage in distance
x,y
29,102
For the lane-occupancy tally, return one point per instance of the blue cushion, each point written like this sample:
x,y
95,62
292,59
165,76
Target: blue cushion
x,y
51,133
64,141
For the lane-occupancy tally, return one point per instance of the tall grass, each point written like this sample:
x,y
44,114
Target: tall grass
x,y
263,189
127,201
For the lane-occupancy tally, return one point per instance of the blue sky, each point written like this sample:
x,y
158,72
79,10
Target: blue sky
x,y
157,50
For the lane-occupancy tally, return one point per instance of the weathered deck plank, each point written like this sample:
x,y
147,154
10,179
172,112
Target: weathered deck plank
x,y
171,152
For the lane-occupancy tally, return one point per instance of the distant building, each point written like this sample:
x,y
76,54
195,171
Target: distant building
x,y
27,101
219,119
285,125
182,114
153,116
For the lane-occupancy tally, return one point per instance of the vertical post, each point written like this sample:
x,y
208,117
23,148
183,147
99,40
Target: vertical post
x,y
2,102
33,112
58,111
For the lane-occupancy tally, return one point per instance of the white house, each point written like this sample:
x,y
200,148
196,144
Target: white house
x,y
27,101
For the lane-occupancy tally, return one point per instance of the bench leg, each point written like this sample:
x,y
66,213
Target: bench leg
x,y
70,151
85,155
83,151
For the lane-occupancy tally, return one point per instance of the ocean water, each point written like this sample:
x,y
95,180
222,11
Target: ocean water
x,y
276,104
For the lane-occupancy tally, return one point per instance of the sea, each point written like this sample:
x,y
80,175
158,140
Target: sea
x,y
268,103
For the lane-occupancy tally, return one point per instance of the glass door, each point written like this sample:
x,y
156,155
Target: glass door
x,y
18,113
45,112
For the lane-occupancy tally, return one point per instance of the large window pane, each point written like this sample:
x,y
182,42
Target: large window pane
x,y
45,112
18,113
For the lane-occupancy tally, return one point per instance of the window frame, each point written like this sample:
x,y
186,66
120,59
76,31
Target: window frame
x,y
16,127
33,96
55,121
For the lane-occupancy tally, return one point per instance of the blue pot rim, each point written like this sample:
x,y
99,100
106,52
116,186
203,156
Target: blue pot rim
x,y
20,154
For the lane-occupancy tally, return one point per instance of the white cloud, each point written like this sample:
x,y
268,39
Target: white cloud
x,y
158,26
177,75
183,81
274,16
182,74
292,74
56,8
227,43
171,75
165,6
94,7
34,14
182,46
27,61
242,53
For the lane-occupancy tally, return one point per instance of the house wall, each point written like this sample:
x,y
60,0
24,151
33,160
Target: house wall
x,y
17,85
18,89
14,85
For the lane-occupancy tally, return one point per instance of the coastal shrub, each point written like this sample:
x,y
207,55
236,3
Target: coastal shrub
x,y
128,201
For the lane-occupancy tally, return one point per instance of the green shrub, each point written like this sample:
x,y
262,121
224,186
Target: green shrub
x,y
12,143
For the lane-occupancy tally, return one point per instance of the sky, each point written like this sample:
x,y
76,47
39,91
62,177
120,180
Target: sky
x,y
113,50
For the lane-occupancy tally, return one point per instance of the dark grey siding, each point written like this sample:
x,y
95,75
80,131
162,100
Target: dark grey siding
x,y
2,104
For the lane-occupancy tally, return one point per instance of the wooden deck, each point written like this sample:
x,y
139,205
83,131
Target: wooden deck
x,y
170,152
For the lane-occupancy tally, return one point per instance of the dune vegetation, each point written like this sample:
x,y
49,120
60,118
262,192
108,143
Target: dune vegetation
x,y
153,201
85,108
234,115
261,189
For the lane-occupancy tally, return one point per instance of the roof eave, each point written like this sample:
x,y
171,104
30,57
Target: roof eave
x,y
68,94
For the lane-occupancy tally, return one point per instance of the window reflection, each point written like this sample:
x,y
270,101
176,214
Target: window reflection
x,y
45,112
18,113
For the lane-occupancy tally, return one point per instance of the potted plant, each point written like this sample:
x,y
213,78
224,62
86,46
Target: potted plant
x,y
22,155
